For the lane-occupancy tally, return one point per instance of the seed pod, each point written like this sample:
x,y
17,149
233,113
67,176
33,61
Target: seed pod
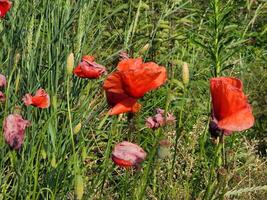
x,y
185,73
53,161
164,149
17,58
77,128
144,48
43,154
79,187
70,63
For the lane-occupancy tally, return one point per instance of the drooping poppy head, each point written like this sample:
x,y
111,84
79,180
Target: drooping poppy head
x,y
5,6
131,81
14,130
2,80
127,154
160,119
88,68
230,108
41,99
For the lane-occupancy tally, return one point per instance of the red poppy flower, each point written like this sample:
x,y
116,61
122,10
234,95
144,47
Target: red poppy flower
x,y
231,111
40,100
5,5
131,81
2,97
14,130
127,154
88,68
2,80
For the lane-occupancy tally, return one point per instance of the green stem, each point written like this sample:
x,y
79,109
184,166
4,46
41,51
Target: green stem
x,y
217,162
70,124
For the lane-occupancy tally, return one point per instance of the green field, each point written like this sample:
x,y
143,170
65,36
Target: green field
x,y
214,38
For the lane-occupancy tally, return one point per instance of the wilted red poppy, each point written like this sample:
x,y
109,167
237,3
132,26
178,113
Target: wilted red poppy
x,y
14,130
2,80
2,97
88,68
5,5
230,108
131,81
127,154
40,100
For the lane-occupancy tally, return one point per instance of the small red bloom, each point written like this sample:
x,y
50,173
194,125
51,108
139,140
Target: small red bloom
x,y
5,6
14,130
2,97
2,80
88,68
40,100
230,108
127,154
131,81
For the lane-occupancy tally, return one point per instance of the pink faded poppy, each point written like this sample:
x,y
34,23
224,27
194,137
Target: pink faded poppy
x,y
2,97
230,108
41,99
159,119
2,80
88,68
14,130
130,82
127,154
5,6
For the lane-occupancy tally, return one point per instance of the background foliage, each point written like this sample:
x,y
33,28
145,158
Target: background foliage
x,y
35,39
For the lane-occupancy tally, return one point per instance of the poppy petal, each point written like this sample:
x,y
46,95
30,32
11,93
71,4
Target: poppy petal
x,y
85,70
130,64
226,98
127,105
14,130
138,82
5,6
113,83
88,58
239,121
2,80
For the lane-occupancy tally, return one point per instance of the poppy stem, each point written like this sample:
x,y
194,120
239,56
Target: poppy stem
x,y
216,163
131,122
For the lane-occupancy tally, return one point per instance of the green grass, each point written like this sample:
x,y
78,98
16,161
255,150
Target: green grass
x,y
214,38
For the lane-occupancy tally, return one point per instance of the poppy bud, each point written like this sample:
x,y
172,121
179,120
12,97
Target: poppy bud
x,y
17,58
17,110
53,161
79,187
70,63
164,149
144,48
77,128
185,73
84,154
43,154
